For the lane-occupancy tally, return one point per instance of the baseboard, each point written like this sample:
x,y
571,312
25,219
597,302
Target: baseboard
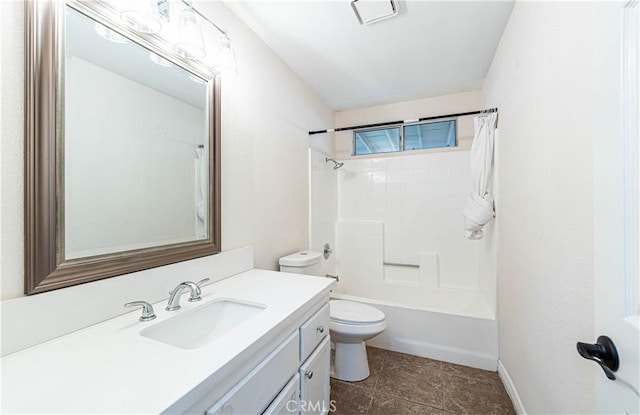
x,y
438,352
511,389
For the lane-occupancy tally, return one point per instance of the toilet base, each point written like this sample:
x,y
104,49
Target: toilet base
x,y
351,362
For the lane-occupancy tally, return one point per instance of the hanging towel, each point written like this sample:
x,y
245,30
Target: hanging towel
x,y
478,210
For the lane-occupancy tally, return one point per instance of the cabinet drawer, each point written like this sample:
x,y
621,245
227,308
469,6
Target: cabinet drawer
x,y
254,393
313,331
288,401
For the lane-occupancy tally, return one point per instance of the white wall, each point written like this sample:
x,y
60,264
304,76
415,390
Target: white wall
x,y
540,80
267,112
11,148
127,186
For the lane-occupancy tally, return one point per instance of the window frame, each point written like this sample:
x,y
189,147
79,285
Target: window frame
x,y
386,127
401,127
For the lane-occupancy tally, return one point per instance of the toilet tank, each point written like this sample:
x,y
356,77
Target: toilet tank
x,y
305,262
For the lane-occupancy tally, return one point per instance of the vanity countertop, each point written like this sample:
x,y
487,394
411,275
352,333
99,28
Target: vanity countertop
x,y
110,368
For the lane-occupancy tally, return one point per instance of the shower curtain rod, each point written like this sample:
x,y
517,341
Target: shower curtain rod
x,y
383,124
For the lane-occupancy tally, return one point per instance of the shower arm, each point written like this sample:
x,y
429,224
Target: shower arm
x,y
336,164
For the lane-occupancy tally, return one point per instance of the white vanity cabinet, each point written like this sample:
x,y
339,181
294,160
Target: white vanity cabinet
x,y
292,379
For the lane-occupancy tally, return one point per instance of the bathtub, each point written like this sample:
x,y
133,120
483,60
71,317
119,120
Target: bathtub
x,y
466,334
439,303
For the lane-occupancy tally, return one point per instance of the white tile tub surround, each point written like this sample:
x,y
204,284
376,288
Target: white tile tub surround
x,y
419,199
27,321
323,207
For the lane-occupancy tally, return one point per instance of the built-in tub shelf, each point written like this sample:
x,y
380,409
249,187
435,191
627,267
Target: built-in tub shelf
x,y
399,264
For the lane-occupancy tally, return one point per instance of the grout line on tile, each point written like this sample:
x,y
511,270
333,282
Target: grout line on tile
x,y
442,379
375,385
402,398
370,402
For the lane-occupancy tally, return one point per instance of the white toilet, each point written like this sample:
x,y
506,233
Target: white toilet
x,y
350,326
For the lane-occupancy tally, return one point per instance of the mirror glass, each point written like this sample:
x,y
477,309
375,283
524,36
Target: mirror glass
x,y
136,156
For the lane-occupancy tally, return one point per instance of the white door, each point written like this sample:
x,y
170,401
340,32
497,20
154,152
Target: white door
x,y
616,209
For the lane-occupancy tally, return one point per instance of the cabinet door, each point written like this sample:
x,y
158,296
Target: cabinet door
x,y
288,402
314,378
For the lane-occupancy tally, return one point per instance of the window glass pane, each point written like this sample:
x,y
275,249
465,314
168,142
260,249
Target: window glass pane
x,y
377,141
430,135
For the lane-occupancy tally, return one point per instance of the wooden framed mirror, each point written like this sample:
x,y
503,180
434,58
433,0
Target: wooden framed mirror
x,y
122,149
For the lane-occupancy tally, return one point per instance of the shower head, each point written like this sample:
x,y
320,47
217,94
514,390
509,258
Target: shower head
x,y
336,164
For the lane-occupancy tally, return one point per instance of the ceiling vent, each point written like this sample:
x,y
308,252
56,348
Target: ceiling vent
x,y
372,11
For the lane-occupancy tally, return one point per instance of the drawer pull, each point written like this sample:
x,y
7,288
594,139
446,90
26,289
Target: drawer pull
x,y
320,329
309,374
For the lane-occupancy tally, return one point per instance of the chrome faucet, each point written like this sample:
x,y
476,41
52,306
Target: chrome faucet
x,y
174,295
147,310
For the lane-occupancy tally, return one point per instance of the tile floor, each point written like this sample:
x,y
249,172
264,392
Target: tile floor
x,y
402,384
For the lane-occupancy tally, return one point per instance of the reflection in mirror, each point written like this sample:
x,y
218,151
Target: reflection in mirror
x,y
135,146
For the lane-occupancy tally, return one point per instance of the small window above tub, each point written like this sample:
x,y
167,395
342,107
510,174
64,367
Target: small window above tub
x,y
398,138
379,140
430,135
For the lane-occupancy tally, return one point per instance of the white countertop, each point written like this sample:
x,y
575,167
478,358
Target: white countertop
x,y
110,368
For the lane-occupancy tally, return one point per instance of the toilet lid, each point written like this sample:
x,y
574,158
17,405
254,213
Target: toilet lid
x,y
354,313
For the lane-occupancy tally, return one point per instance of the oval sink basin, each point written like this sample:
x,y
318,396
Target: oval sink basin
x,y
197,327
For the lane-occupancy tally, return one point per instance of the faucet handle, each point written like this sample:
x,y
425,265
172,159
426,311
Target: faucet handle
x,y
196,294
199,283
147,310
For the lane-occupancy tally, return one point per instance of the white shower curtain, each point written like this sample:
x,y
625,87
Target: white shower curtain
x,y
478,210
201,172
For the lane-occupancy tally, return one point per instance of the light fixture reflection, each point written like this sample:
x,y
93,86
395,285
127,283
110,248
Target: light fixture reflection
x,y
190,41
159,60
176,24
109,34
142,15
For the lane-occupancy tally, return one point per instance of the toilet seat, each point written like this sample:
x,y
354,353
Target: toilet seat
x,y
353,313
